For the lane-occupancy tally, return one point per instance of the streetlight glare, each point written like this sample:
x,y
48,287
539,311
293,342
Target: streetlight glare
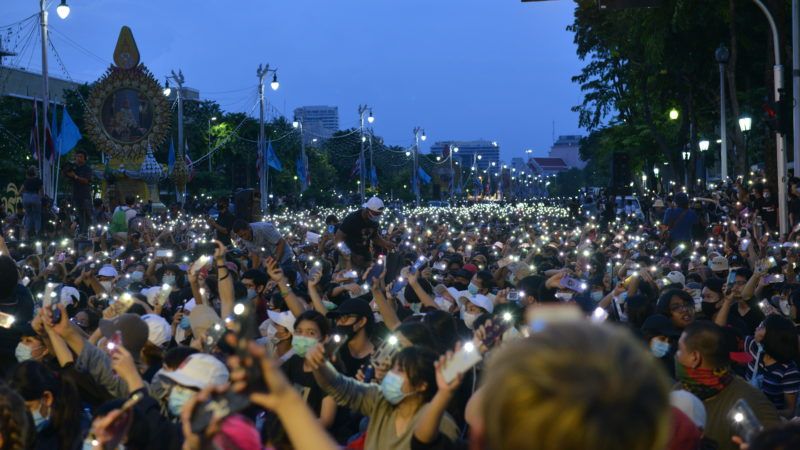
x,y
295,124
424,137
371,119
167,91
704,144
63,9
673,114
455,149
213,118
745,123
275,84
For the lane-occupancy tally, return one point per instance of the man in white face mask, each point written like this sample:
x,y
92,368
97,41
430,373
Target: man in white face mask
x,y
473,306
30,346
106,276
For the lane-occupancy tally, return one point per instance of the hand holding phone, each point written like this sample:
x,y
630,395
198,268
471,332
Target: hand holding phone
x,y
743,421
464,359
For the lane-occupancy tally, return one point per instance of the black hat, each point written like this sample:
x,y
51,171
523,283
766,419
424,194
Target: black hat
x,y
463,273
352,307
659,325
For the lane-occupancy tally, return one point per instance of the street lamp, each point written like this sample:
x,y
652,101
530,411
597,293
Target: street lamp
x,y
211,119
704,144
745,124
63,9
167,89
424,136
673,114
371,119
275,85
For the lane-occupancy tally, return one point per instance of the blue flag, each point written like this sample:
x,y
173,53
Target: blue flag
x,y
301,173
424,177
171,157
272,158
374,177
68,135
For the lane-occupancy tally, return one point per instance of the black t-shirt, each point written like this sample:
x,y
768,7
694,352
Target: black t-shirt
x,y
225,219
32,185
794,206
768,210
359,232
82,191
304,382
20,305
349,364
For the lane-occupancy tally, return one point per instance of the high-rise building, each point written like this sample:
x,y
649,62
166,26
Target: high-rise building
x,y
468,152
319,122
567,148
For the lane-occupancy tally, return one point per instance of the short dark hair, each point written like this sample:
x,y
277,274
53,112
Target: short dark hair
x,y
780,338
314,316
9,276
530,285
710,341
239,225
417,363
258,276
331,220
130,200
82,152
487,280
176,355
662,307
419,334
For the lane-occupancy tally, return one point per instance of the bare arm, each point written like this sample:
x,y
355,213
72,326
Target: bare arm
x,y
225,281
296,305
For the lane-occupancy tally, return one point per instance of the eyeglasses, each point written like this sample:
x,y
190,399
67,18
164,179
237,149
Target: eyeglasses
x,y
681,307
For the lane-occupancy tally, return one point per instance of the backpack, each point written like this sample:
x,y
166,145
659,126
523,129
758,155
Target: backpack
x,y
119,221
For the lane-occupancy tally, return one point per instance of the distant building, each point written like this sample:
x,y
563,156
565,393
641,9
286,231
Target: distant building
x,y
547,166
468,152
24,84
567,148
319,122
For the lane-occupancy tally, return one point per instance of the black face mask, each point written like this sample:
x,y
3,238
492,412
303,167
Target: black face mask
x,y
346,331
708,309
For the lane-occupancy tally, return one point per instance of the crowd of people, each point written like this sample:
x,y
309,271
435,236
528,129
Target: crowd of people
x,y
486,326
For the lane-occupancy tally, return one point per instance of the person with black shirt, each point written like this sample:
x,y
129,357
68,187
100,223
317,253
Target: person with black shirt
x,y
15,300
81,176
32,202
360,229
224,221
354,321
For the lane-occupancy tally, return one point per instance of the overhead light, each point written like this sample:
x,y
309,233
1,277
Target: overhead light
x,y
745,123
424,137
673,114
295,124
213,118
704,144
63,9
371,119
274,85
167,89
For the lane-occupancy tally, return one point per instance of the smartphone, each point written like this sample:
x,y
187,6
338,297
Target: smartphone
x,y
6,320
375,272
775,278
731,278
218,407
573,284
513,295
163,253
495,330
464,359
201,263
334,343
214,335
343,248
385,352
352,274
743,420
419,264
331,229
440,266
369,373
114,342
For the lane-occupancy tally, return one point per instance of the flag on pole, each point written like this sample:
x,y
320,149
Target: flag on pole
x,y
34,144
356,168
272,158
423,176
373,177
68,135
171,157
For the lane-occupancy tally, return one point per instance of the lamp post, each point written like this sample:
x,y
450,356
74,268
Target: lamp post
x,y
298,124
656,170
211,119
745,124
703,145
780,139
686,155
264,185
363,109
415,163
722,56
453,150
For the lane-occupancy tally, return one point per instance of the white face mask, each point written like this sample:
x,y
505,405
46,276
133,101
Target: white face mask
x,y
108,285
469,319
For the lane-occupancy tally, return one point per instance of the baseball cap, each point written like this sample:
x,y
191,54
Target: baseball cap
x,y
658,203
69,296
471,268
479,300
134,331
159,332
463,273
352,307
107,271
285,319
199,371
676,277
374,204
718,264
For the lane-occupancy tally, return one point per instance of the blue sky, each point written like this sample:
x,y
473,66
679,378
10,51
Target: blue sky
x,y
462,69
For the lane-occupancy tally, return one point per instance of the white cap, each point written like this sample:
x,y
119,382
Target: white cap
x,y
151,294
285,319
107,271
69,296
198,371
159,332
718,264
690,405
478,300
676,277
374,204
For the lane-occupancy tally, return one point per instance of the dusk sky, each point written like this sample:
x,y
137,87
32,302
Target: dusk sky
x,y
462,69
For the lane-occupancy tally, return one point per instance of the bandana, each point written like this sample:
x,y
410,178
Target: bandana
x,y
704,383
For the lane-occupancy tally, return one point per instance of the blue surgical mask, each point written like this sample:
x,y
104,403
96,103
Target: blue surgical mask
x,y
40,421
659,348
137,275
177,398
185,324
392,388
168,279
251,293
301,344
23,352
472,289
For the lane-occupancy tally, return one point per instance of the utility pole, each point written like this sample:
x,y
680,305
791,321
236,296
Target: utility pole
x,y
362,162
371,163
723,55
415,167
780,144
48,185
264,184
796,86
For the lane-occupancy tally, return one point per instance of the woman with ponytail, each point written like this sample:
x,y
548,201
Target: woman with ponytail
x,y
54,405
